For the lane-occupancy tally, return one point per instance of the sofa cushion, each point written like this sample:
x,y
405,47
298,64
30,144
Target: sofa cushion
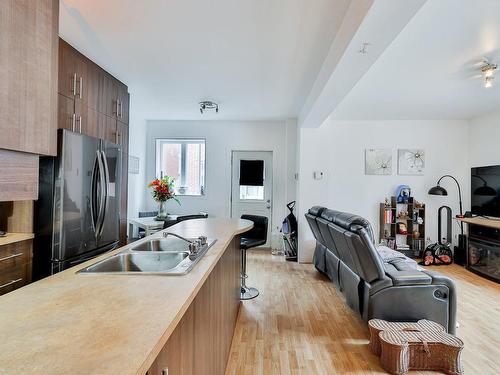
x,y
316,210
312,221
319,257
348,221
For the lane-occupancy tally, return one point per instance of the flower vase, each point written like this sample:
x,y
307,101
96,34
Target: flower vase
x,y
162,210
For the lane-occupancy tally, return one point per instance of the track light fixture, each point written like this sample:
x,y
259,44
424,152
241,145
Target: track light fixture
x,y
488,69
208,105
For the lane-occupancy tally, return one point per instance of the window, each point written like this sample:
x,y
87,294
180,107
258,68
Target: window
x,y
251,192
183,159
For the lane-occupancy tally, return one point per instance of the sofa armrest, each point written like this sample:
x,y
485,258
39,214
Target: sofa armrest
x,y
409,277
440,279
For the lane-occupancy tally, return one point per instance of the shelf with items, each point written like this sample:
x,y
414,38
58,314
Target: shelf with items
x,y
395,217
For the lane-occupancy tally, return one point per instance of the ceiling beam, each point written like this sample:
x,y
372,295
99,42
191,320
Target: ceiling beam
x,y
377,23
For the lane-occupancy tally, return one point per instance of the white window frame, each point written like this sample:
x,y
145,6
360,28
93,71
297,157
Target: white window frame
x,y
183,141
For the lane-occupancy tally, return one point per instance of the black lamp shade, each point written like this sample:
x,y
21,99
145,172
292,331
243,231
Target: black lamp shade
x,y
485,191
437,190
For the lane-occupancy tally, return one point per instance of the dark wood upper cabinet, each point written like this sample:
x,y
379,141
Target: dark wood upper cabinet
x,y
87,120
68,76
88,84
123,103
122,136
66,113
28,75
94,103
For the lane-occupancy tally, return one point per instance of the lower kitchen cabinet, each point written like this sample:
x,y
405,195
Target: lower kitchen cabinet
x,y
201,342
15,265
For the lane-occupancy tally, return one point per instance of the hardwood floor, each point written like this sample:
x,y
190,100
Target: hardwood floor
x,y
300,324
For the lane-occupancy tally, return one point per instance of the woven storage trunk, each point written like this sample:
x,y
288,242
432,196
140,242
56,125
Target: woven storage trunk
x,y
378,325
403,351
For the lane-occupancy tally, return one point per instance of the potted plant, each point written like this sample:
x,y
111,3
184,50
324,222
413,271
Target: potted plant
x,y
163,190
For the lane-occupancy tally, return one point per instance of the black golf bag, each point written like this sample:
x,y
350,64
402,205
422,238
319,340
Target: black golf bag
x,y
289,232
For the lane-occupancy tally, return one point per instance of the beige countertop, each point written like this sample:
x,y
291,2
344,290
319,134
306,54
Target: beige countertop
x,y
15,237
492,223
103,324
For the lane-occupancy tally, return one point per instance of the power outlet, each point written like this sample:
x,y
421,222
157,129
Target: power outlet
x,y
165,371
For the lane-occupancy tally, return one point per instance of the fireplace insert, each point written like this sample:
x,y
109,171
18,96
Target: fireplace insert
x,y
483,255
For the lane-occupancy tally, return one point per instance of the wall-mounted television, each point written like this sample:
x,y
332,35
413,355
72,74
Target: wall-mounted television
x,y
485,191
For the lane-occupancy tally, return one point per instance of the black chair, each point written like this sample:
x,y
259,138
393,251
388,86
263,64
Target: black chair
x,y
254,237
169,223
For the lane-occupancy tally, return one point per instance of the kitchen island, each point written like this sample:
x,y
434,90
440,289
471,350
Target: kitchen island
x,y
128,324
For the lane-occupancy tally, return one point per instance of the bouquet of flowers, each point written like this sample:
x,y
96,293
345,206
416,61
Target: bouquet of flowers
x,y
163,189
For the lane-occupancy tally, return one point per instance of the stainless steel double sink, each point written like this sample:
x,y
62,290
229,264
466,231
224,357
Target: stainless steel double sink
x,y
171,255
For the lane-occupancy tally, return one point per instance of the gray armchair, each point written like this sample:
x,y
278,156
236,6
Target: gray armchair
x,y
346,253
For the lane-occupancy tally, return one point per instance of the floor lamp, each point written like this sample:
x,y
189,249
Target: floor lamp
x,y
439,190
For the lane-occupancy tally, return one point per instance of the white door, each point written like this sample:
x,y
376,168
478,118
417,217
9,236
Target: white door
x,y
252,193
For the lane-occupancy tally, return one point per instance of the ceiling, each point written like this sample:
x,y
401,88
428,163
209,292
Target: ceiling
x,y
430,71
258,59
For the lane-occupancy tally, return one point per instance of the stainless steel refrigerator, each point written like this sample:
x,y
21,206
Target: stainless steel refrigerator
x,y
77,212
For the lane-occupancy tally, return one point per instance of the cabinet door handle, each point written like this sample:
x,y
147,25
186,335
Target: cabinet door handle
x,y
73,123
74,84
116,108
80,124
10,283
121,109
81,88
11,256
116,137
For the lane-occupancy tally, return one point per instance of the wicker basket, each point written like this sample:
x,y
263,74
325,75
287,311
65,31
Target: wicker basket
x,y
378,325
403,351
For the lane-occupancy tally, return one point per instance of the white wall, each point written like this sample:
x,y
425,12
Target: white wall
x,y
137,148
337,148
484,140
221,138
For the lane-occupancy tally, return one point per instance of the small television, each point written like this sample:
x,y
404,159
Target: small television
x,y
485,191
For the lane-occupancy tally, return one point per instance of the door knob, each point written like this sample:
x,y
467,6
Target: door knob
x,y
268,201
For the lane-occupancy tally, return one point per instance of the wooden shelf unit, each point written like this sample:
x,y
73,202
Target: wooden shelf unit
x,y
388,230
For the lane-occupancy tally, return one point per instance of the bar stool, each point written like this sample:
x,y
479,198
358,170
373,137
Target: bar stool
x,y
254,237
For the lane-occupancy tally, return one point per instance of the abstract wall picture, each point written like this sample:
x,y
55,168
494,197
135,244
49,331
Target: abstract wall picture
x,y
411,162
378,161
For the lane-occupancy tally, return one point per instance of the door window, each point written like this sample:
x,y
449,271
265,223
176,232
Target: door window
x,y
251,192
252,176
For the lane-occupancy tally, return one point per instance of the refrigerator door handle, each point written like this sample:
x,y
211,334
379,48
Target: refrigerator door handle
x,y
102,192
93,193
105,196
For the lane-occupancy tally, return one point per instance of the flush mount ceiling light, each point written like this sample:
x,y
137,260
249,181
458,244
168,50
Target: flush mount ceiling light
x,y
488,69
208,105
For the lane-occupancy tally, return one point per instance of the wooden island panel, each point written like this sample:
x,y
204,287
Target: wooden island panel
x,y
201,342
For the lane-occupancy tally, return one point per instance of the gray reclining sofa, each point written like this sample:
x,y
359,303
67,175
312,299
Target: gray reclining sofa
x,y
346,253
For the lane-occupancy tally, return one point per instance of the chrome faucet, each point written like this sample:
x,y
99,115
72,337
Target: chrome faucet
x,y
193,246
